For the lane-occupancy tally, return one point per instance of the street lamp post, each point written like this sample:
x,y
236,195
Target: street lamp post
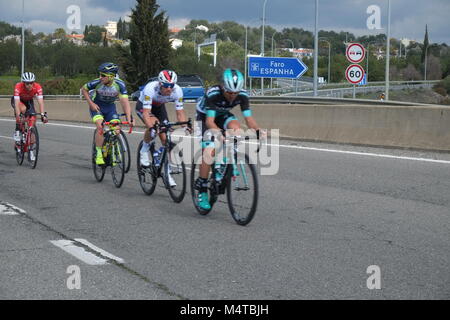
x,y
23,38
316,47
292,42
329,59
262,41
271,79
388,48
246,52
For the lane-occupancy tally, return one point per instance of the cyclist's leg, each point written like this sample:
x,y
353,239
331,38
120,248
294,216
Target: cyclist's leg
x,y
98,119
149,120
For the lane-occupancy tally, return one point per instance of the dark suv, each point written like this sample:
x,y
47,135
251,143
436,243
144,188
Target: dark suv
x,y
192,85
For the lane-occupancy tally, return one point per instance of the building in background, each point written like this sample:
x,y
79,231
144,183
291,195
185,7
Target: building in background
x,y
111,28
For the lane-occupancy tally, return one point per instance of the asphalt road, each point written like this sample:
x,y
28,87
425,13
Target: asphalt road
x,y
322,221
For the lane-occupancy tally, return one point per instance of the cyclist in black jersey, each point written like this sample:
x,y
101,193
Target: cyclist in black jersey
x,y
213,113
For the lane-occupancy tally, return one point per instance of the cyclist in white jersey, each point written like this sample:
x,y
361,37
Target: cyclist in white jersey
x,y
151,108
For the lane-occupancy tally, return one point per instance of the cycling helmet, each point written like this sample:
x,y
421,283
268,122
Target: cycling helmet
x,y
233,80
108,67
167,76
28,77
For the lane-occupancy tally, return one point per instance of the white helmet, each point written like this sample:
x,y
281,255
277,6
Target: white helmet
x,y
28,77
167,76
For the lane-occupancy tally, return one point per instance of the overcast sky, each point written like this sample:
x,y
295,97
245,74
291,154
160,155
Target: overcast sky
x,y
408,16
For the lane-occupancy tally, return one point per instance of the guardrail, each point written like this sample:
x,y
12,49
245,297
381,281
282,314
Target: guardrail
x,y
327,101
273,100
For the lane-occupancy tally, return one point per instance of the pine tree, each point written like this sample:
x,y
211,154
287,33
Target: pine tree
x,y
119,29
425,43
149,44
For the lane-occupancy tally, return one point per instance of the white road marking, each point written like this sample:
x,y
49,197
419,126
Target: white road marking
x,y
366,154
8,209
82,254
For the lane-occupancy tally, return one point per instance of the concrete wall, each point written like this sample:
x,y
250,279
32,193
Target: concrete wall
x,y
422,127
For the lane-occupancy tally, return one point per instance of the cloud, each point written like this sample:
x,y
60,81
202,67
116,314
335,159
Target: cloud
x,y
408,16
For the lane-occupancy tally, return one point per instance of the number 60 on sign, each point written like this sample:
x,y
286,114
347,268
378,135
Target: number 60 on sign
x,y
354,73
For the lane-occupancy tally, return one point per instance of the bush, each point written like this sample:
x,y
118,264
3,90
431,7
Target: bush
x,y
440,89
446,84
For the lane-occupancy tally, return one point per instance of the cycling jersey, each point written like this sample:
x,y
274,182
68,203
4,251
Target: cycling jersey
x,y
151,96
106,95
214,103
21,93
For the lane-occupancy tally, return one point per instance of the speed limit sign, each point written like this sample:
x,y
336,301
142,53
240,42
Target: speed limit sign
x,y
354,73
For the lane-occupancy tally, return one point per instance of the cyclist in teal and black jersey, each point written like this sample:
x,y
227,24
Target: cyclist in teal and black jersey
x,y
106,90
213,113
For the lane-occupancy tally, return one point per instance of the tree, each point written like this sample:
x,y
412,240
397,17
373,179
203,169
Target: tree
x,y
410,73
59,33
425,43
150,47
94,34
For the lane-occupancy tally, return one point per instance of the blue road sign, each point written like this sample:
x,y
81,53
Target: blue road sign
x,y
363,81
270,67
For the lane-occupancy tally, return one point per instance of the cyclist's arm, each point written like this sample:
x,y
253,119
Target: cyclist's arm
x,y
40,99
179,106
123,98
247,113
85,92
126,107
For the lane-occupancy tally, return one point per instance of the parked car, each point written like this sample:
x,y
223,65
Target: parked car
x,y
191,84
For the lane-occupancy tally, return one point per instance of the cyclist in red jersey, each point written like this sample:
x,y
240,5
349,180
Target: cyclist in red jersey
x,y
22,101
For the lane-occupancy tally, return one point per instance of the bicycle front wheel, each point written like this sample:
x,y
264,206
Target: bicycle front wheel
x,y
242,190
126,151
33,150
175,175
20,154
99,170
118,162
147,175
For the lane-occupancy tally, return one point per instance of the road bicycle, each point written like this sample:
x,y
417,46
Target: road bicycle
x,y
113,151
168,162
126,145
29,139
235,176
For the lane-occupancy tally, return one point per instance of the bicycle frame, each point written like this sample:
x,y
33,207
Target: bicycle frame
x,y
25,126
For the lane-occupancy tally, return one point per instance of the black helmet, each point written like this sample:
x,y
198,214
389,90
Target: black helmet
x,y
108,67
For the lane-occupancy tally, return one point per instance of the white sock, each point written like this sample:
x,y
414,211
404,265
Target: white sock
x,y
145,147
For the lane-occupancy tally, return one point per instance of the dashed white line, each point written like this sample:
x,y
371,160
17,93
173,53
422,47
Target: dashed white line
x,y
100,257
8,209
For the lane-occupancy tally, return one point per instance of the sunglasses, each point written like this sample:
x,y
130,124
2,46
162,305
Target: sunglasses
x,y
168,85
109,75
28,83
231,92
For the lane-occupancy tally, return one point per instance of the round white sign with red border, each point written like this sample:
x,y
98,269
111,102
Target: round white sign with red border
x,y
355,53
354,73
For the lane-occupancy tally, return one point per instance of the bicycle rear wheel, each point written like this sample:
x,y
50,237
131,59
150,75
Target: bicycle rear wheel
x,y
147,175
126,145
33,150
242,190
176,184
117,162
99,170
